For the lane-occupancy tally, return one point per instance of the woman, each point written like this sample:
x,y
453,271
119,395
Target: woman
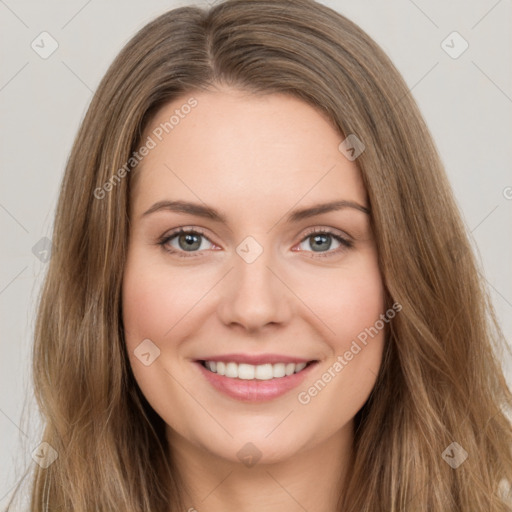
x,y
198,349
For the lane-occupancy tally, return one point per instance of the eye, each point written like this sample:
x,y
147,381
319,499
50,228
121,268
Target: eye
x,y
320,241
184,241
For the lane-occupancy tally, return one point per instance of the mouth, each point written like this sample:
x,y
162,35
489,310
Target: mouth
x,y
245,371
259,382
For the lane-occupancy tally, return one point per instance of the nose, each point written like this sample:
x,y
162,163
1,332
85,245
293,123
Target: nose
x,y
254,295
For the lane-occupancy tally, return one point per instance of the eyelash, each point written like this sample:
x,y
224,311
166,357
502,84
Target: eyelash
x,y
165,239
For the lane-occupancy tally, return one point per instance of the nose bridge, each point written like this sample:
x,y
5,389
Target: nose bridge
x,y
254,297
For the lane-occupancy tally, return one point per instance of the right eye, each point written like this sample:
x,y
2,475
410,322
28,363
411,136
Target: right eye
x,y
184,240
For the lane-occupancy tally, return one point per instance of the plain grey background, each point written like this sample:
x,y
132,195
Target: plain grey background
x,y
465,97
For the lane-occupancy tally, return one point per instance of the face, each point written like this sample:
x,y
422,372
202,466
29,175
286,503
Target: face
x,y
265,284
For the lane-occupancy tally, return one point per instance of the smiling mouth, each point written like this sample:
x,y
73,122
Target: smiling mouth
x,y
246,371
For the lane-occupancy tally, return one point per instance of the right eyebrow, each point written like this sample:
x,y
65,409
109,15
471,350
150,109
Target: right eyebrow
x,y
186,207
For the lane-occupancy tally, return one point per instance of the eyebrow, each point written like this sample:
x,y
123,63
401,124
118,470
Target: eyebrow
x,y
208,212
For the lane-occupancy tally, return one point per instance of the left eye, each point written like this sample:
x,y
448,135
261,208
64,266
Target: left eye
x,y
322,241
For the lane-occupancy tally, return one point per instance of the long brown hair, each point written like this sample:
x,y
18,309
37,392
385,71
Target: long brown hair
x,y
440,381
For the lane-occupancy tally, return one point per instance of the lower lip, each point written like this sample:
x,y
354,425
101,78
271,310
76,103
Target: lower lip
x,y
255,390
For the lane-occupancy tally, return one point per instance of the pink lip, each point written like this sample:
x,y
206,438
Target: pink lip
x,y
254,390
256,359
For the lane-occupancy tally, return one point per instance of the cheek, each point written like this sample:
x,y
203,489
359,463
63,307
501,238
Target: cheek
x,y
347,300
352,303
154,300
144,311
361,302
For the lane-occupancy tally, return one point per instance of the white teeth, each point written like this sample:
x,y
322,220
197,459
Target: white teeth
x,y
246,371
279,370
249,371
290,368
263,372
221,368
300,367
231,370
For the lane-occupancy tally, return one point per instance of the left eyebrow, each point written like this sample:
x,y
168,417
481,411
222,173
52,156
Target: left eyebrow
x,y
318,209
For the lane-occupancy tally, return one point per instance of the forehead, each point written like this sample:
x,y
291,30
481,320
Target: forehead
x,y
243,147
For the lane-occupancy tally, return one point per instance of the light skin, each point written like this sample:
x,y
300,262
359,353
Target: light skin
x,y
256,160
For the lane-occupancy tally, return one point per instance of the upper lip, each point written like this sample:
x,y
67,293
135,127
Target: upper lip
x,y
256,359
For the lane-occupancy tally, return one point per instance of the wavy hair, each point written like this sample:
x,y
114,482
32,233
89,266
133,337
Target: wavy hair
x,y
440,380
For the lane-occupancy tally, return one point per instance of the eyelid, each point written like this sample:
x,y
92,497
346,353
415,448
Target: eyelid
x,y
327,230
